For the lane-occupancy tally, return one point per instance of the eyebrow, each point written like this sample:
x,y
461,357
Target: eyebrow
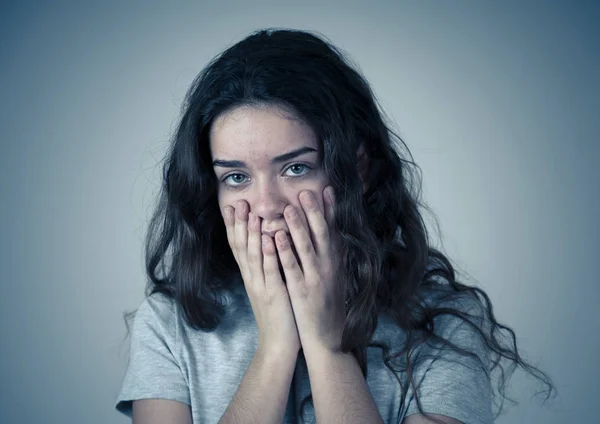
x,y
281,158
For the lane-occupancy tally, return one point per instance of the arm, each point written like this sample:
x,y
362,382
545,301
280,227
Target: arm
x,y
263,393
261,397
341,394
154,390
159,411
339,389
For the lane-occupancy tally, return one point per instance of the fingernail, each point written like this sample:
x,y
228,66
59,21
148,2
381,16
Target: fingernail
x,y
289,211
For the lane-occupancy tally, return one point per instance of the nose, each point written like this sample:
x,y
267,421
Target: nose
x,y
268,202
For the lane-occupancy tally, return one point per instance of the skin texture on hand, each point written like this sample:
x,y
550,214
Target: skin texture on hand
x,y
317,300
256,258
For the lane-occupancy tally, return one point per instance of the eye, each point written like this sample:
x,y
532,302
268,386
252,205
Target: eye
x,y
235,179
297,170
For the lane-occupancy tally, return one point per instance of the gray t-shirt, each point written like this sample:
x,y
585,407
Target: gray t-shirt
x,y
170,360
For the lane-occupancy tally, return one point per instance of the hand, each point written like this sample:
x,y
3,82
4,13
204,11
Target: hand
x,y
317,300
257,260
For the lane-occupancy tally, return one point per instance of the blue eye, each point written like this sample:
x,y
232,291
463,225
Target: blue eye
x,y
297,172
236,179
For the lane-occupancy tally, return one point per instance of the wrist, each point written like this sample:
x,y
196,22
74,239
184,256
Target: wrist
x,y
276,356
321,352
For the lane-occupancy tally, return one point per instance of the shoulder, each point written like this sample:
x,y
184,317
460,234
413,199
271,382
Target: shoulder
x,y
157,306
154,369
157,315
163,316
453,369
449,309
452,307
461,327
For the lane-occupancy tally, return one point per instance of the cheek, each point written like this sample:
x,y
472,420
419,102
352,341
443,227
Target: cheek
x,y
225,199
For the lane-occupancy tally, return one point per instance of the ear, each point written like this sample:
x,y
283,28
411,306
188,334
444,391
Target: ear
x,y
363,164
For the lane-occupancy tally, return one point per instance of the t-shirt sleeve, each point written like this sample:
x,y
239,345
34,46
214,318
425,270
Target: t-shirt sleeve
x,y
449,382
153,371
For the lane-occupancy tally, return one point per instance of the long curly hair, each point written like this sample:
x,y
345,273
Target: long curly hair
x,y
387,257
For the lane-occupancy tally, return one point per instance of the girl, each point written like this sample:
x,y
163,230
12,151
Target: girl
x,y
291,278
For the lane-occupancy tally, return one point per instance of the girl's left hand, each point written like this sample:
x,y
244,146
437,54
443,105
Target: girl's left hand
x,y
317,301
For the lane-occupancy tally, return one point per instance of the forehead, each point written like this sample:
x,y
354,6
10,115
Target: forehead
x,y
258,132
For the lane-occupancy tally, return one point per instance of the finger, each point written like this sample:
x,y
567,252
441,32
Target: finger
x,y
270,264
291,267
254,255
300,236
329,206
316,222
241,234
229,219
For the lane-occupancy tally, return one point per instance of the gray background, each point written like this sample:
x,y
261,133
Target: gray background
x,y
498,101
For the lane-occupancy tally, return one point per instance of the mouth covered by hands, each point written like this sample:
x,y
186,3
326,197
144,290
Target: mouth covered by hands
x,y
309,259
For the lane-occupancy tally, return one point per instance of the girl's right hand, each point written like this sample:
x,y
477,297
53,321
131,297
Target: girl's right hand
x,y
256,257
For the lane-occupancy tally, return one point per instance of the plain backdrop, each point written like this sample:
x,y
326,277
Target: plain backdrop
x,y
498,102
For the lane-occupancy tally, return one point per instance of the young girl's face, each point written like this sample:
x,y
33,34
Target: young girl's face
x,y
266,157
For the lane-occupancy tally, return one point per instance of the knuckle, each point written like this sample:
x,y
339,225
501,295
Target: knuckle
x,y
253,258
322,232
306,246
270,272
289,263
